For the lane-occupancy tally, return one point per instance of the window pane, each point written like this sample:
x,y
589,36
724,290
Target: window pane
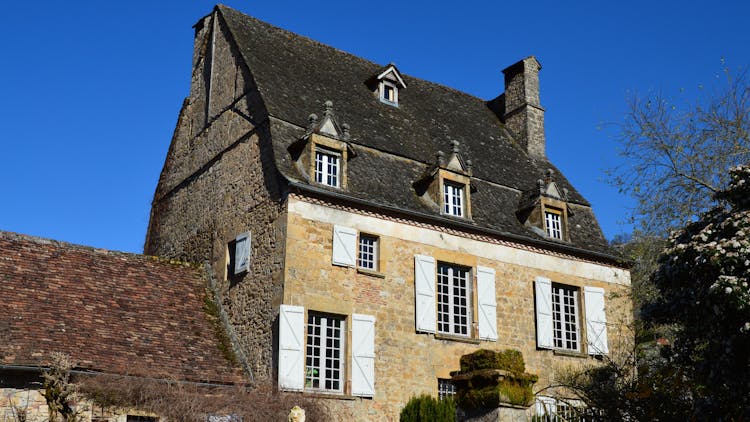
x,y
453,305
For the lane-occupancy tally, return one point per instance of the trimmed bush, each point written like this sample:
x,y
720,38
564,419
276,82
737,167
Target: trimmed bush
x,y
428,409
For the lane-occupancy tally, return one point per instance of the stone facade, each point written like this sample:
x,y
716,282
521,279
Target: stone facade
x,y
409,363
218,182
228,172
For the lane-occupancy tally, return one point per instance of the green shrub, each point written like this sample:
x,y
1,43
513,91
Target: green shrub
x,y
428,409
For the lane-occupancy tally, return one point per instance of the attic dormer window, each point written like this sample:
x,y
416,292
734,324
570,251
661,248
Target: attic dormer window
x,y
327,167
386,84
453,199
553,223
389,93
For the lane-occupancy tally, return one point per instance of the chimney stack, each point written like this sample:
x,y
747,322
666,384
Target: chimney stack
x,y
523,115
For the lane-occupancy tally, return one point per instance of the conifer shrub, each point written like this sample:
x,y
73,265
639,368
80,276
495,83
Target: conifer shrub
x,y
426,408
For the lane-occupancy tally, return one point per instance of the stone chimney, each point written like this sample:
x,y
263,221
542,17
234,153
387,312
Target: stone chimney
x,y
523,115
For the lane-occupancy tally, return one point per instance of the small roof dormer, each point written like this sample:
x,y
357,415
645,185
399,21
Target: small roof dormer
x,y
386,83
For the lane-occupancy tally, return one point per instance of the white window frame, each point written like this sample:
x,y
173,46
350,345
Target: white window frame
x,y
384,86
327,167
326,378
446,388
562,410
454,199
553,224
453,316
566,318
368,250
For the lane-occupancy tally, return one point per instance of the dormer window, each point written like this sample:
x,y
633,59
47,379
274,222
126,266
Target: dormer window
x,y
553,223
327,167
453,199
386,84
388,93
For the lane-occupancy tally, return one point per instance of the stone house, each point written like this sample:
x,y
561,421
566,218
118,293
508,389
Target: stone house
x,y
112,314
368,227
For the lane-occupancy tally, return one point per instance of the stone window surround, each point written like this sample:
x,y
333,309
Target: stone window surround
x,y
326,145
554,206
447,178
368,259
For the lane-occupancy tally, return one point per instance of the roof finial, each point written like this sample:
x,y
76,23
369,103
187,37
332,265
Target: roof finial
x,y
468,167
540,185
440,158
455,146
329,108
312,119
345,128
549,174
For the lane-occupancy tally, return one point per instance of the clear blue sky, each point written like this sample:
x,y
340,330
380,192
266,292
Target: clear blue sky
x,y
91,90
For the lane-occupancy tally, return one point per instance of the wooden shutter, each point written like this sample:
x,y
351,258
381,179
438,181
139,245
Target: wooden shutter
x,y
344,246
424,287
291,347
363,355
543,287
487,303
596,321
242,252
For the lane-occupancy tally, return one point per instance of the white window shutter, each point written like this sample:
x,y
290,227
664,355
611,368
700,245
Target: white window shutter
x,y
487,303
363,355
344,246
596,321
291,347
424,286
543,288
242,252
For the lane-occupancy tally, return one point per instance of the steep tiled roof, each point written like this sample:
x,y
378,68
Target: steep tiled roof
x,y
109,311
296,75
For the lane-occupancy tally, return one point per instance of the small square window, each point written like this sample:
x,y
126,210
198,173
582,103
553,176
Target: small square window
x,y
446,388
553,223
327,165
367,256
453,199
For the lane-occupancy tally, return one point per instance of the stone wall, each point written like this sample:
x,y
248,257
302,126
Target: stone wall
x,y
215,185
409,363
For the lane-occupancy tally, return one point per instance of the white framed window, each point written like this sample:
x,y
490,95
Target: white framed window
x,y
565,320
324,357
389,93
446,388
327,168
550,409
453,300
553,223
367,257
453,199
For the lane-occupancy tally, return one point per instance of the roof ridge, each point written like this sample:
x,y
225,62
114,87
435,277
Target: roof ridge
x,y
21,237
223,7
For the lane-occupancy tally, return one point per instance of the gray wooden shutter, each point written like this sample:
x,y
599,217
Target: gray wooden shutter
x,y
543,287
487,303
363,355
291,347
242,252
596,321
424,287
344,246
